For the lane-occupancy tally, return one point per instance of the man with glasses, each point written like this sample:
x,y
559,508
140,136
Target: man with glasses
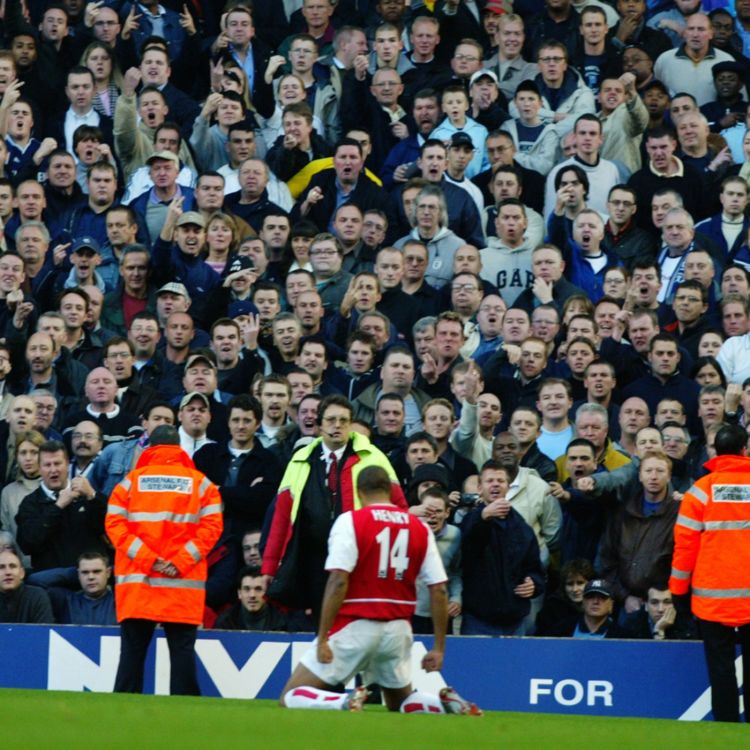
x,y
319,484
564,94
326,258
622,237
413,282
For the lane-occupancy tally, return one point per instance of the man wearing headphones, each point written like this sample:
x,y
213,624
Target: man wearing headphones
x,y
318,485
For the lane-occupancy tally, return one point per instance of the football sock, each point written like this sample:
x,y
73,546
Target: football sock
x,y
310,697
422,703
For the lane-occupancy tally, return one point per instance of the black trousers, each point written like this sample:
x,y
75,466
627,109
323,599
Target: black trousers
x,y
719,646
135,638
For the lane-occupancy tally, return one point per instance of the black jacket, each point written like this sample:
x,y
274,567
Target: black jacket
x,y
366,194
55,537
245,503
497,555
27,604
286,162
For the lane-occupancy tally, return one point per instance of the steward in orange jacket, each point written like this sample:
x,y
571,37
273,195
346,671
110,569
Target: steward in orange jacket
x,y
712,555
165,508
712,543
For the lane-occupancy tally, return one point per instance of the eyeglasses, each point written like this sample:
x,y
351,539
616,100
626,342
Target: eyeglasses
x,y
552,59
464,287
427,207
85,436
119,355
337,420
678,440
623,204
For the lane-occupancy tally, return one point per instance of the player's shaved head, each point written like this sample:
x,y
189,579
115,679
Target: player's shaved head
x,y
373,482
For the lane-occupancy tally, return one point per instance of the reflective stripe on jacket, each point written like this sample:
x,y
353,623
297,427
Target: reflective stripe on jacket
x,y
293,483
712,543
166,509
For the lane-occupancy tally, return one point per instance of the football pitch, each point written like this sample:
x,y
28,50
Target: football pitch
x,y
33,720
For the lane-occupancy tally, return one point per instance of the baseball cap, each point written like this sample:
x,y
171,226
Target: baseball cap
x,y
241,307
199,357
165,156
459,140
191,217
597,586
175,288
188,397
483,74
240,263
85,242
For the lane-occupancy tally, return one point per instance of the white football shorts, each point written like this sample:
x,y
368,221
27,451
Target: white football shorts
x,y
381,650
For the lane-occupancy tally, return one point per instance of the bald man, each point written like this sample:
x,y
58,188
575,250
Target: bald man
x,y
114,423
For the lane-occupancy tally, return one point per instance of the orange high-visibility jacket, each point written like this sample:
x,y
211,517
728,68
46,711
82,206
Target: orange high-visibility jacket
x,y
164,508
712,543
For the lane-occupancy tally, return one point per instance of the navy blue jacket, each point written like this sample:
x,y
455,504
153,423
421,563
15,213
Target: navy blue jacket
x,y
496,556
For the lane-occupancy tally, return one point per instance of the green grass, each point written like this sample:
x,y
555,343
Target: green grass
x,y
89,721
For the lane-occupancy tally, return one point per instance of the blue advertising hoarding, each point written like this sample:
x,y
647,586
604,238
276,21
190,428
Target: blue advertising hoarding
x,y
606,678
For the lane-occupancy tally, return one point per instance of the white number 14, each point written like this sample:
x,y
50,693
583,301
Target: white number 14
x,y
393,556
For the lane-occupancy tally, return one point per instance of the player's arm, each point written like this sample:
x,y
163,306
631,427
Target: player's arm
x,y
333,597
433,659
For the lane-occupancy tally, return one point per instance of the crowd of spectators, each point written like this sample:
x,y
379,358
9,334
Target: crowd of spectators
x,y
513,236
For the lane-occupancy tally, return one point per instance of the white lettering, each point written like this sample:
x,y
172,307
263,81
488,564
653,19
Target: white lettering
x,y
247,680
571,692
731,493
183,485
577,692
390,516
599,689
69,669
539,687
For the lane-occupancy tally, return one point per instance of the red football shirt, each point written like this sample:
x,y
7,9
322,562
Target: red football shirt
x,y
385,550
